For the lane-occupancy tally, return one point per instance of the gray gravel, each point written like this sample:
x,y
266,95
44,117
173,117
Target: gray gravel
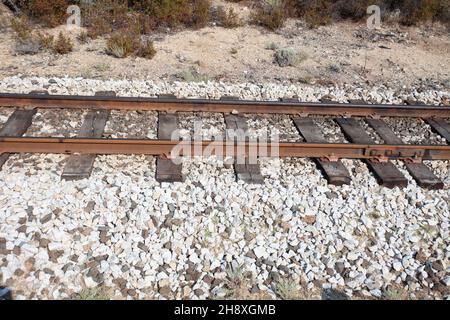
x,y
122,231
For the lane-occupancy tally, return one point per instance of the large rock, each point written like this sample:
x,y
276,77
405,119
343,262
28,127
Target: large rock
x,y
5,16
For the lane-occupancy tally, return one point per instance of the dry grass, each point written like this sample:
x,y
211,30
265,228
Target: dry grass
x,y
92,294
83,37
102,17
228,18
128,43
22,28
412,12
172,13
146,50
200,13
122,44
270,14
62,44
49,13
237,285
287,290
46,40
28,41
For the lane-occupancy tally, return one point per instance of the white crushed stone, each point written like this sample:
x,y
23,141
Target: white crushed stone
x,y
272,127
123,230
212,125
414,131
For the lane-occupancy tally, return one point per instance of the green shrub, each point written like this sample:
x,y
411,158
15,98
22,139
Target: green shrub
x,y
289,57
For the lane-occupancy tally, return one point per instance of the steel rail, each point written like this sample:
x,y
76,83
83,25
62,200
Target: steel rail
x,y
186,148
223,106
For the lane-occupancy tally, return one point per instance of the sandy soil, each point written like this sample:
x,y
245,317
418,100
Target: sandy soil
x,y
344,52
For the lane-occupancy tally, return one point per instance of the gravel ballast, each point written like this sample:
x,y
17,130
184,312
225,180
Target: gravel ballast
x,y
122,231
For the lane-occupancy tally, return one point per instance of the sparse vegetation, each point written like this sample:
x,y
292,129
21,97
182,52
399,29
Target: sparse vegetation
x,y
287,289
171,13
121,44
334,67
91,294
192,75
103,17
306,79
271,46
21,28
411,12
146,50
27,41
62,45
126,43
102,67
83,37
289,57
49,13
392,293
200,13
270,14
46,40
228,18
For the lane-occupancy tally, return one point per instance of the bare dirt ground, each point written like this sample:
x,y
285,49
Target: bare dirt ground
x,y
341,53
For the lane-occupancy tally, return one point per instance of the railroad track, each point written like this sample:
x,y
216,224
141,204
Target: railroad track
x,y
360,145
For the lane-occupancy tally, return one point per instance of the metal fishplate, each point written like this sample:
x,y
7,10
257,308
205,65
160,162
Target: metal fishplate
x,y
383,155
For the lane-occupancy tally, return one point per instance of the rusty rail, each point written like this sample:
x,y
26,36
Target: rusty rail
x,y
331,151
222,106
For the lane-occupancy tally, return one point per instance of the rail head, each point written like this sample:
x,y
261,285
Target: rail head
x,y
47,101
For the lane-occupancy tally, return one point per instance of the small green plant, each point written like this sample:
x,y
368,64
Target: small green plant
x,y
62,45
391,293
289,57
334,67
271,46
91,294
102,67
191,75
287,289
